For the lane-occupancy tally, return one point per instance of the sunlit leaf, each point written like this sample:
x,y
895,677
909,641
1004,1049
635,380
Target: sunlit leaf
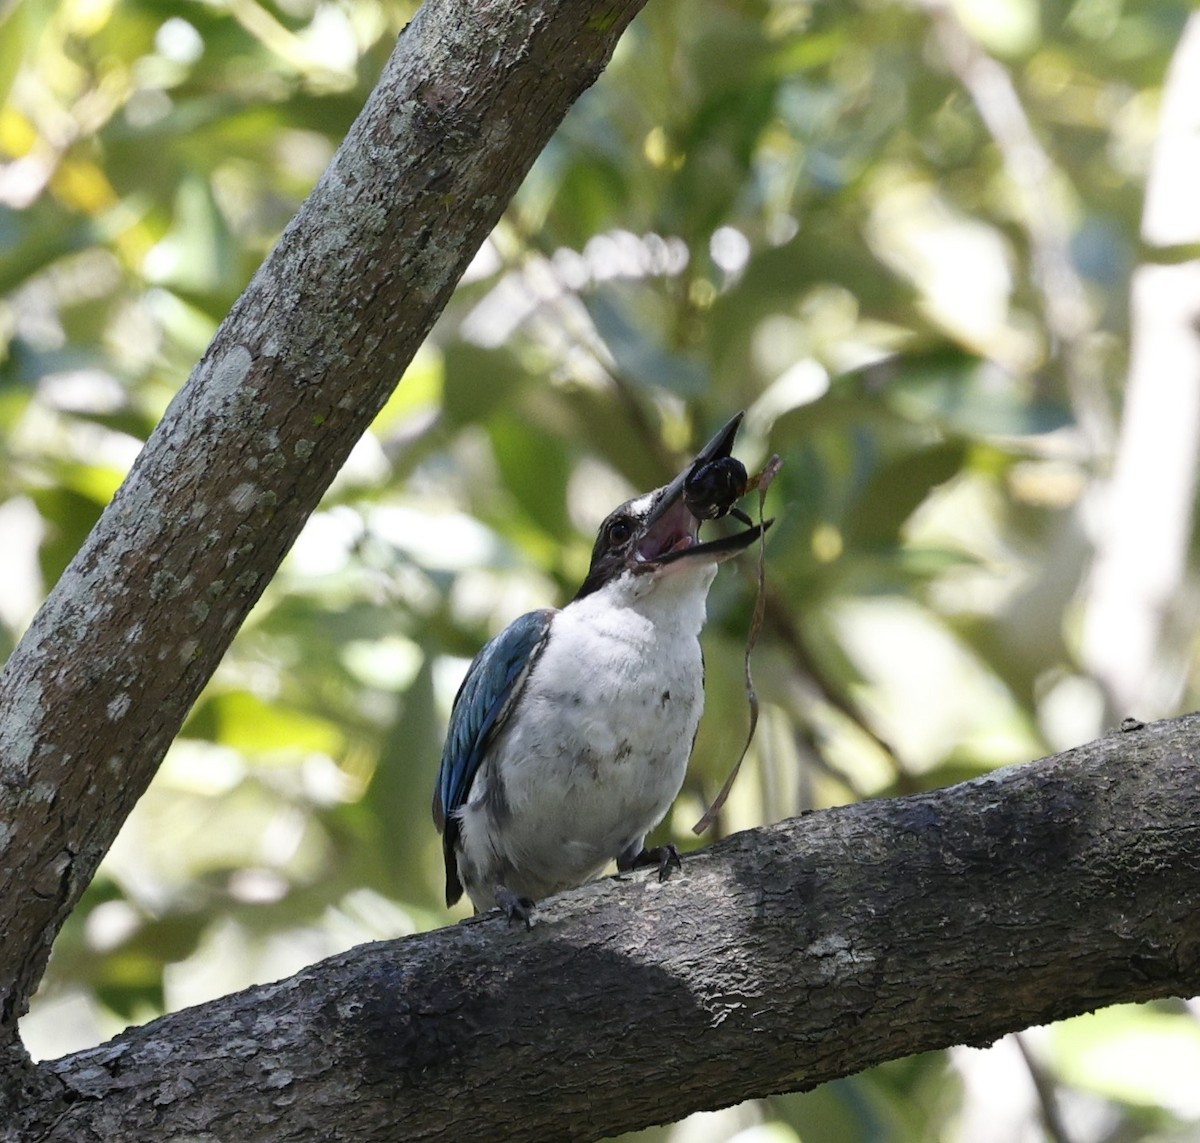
x,y
241,720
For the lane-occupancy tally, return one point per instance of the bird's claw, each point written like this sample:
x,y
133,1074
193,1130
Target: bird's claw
x,y
666,857
514,907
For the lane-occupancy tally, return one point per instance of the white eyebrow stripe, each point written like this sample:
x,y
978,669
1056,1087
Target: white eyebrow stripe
x,y
641,505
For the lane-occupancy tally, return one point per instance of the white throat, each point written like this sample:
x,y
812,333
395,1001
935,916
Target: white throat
x,y
672,598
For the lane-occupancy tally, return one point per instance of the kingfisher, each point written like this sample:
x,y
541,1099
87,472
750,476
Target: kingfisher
x,y
571,732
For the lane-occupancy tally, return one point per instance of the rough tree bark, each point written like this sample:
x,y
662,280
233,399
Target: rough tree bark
x,y
778,960
774,961
101,683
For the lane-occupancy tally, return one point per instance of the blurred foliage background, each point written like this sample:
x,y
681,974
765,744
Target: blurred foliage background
x,y
907,237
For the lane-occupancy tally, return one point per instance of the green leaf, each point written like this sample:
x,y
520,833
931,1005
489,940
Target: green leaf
x,y
967,394
13,37
245,722
536,469
479,381
638,350
69,517
896,489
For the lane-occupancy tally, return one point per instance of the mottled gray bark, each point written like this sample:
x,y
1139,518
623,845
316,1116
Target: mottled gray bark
x,y
101,683
774,961
777,960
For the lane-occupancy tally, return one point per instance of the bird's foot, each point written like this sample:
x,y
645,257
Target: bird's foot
x,y
515,908
666,857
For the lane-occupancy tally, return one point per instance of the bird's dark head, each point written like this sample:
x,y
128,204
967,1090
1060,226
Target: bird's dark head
x,y
660,531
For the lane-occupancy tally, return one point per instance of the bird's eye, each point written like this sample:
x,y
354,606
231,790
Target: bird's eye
x,y
619,531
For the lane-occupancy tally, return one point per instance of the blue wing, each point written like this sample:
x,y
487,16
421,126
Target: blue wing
x,y
492,684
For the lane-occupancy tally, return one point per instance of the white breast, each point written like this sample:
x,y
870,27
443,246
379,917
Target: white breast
x,y
599,746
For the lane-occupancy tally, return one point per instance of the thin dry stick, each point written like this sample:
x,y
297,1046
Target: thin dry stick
x,y
762,482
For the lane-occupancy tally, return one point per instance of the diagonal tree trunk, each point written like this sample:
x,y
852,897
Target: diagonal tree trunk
x,y
779,959
776,960
103,679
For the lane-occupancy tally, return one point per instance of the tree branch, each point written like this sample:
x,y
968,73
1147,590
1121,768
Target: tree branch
x,y
777,960
102,681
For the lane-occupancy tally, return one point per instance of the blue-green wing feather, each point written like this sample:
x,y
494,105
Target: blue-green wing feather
x,y
491,686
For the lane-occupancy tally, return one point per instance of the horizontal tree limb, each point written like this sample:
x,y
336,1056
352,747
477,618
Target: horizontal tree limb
x,y
776,960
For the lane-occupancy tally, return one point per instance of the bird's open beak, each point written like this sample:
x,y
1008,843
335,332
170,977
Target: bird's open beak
x,y
671,531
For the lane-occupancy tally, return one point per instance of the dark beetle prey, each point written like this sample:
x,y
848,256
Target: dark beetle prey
x,y
711,488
